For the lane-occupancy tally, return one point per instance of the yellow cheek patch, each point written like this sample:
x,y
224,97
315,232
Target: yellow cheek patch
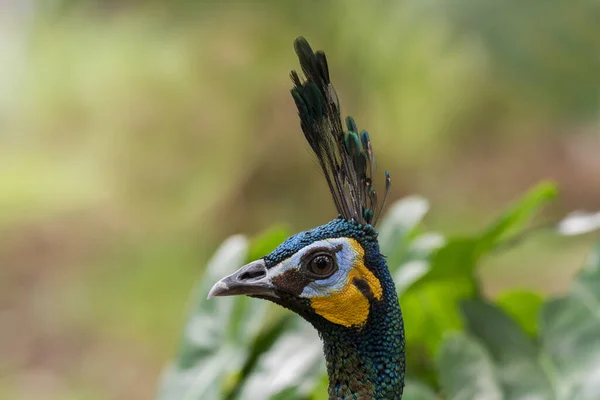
x,y
350,307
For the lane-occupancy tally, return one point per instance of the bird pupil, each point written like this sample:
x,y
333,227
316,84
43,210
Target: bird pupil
x,y
321,265
322,262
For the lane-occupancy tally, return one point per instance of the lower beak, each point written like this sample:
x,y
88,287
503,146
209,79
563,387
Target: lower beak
x,y
251,279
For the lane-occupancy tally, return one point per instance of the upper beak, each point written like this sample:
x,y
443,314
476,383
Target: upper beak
x,y
251,279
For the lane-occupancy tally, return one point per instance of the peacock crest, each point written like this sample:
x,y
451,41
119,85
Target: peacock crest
x,y
345,156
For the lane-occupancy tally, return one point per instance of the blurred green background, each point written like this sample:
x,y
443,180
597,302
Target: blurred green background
x,y
136,135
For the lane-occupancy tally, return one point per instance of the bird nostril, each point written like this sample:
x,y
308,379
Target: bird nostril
x,y
253,273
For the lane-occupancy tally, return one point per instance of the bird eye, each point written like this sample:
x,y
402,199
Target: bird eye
x,y
322,265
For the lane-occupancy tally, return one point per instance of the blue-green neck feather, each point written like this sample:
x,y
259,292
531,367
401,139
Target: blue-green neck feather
x,y
368,362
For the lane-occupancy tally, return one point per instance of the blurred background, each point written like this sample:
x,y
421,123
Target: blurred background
x,y
136,135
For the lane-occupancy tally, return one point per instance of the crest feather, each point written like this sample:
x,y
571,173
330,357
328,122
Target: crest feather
x,y
346,157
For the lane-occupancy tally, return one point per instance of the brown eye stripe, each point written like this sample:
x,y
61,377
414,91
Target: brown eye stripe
x,y
293,281
363,286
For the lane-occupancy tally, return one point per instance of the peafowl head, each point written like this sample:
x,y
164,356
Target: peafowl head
x,y
330,275
334,275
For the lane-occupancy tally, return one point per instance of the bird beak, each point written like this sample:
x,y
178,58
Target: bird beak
x,y
251,279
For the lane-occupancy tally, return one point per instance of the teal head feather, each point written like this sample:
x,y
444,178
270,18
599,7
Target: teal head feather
x,y
334,276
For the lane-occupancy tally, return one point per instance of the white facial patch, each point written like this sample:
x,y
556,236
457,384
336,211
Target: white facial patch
x,y
345,257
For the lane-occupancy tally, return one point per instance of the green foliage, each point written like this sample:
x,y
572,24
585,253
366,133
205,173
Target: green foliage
x,y
459,257
496,359
223,340
522,307
213,334
417,391
465,370
430,305
461,345
516,218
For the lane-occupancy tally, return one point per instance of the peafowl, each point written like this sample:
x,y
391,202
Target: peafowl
x,y
334,275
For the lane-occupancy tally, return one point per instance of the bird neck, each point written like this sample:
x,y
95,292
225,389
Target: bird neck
x,y
369,363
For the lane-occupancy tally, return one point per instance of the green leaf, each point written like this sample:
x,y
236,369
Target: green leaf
x,y
416,260
401,218
514,354
570,335
286,394
432,283
416,390
429,312
459,257
409,273
456,260
467,371
202,381
398,225
220,337
208,324
430,305
523,307
563,362
267,241
209,350
283,369
518,215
